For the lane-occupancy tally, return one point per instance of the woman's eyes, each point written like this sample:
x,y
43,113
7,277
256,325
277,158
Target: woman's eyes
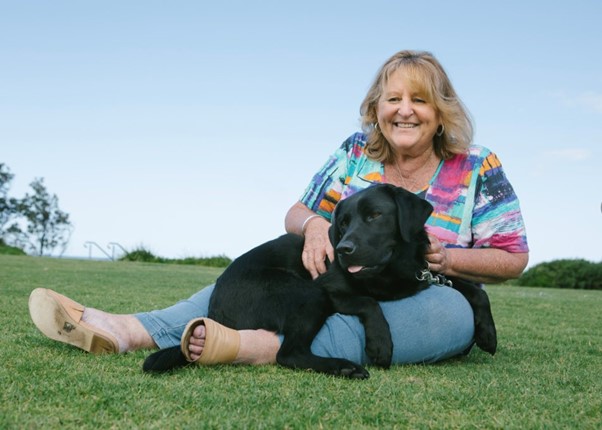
x,y
398,99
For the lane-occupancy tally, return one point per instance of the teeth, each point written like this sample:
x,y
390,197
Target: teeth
x,y
404,125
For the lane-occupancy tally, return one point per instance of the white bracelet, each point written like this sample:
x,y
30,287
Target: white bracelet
x,y
308,219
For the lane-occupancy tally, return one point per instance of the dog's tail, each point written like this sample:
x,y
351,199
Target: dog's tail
x,y
164,360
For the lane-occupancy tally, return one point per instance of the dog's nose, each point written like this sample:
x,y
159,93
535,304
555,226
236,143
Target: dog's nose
x,y
346,247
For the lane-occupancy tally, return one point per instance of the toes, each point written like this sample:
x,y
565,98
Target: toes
x,y
195,348
198,336
199,331
196,341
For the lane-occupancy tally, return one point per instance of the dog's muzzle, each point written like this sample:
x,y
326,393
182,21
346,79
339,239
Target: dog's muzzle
x,y
360,265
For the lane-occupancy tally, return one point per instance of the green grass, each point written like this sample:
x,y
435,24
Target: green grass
x,y
547,373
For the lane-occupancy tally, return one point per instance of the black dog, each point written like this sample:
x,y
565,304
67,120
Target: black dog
x,y
380,242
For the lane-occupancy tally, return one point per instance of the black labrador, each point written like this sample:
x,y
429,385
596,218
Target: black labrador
x,y
380,243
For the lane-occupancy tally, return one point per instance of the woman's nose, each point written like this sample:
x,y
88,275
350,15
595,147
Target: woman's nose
x,y
405,108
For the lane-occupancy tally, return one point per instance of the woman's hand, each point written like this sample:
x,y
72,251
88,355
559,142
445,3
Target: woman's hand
x,y
485,265
317,247
437,256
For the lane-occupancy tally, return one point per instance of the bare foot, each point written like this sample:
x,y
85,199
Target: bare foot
x,y
129,332
197,342
256,346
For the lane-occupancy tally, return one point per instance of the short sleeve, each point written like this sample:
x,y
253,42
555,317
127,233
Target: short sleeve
x,y
326,187
497,219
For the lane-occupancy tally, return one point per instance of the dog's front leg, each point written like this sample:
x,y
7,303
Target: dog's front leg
x,y
379,345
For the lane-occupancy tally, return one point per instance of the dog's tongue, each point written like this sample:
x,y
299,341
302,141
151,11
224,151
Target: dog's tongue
x,y
354,269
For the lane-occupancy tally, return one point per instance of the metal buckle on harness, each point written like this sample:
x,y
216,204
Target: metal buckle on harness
x,y
440,280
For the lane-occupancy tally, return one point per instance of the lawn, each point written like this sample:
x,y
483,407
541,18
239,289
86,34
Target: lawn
x,y
547,373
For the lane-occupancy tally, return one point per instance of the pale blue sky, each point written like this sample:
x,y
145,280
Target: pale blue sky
x,y
191,127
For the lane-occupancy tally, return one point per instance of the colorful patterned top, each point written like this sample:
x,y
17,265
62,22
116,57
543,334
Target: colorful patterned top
x,y
474,204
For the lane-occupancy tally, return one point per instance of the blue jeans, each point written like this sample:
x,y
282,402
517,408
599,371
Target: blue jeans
x,y
433,325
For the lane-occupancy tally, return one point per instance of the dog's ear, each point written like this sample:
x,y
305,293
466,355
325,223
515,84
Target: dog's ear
x,y
412,213
333,232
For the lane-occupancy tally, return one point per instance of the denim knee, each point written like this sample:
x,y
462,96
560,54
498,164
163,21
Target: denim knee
x,y
166,326
433,325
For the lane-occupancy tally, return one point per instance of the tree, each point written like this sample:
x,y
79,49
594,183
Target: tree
x,y
8,206
5,208
47,226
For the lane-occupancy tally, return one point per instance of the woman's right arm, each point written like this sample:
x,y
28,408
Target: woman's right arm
x,y
315,230
324,191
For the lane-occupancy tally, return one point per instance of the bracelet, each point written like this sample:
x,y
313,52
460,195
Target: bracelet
x,y
308,219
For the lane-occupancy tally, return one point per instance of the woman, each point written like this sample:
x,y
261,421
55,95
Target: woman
x,y
417,135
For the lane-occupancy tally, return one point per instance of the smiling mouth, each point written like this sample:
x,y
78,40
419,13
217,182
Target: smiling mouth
x,y
404,125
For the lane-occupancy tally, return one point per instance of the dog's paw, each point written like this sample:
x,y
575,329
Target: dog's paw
x,y
486,337
351,370
164,360
380,351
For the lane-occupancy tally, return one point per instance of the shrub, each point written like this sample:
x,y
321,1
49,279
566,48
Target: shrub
x,y
141,255
145,256
10,250
217,261
578,274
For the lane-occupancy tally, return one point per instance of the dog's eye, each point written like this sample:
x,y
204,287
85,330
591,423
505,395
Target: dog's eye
x,y
373,216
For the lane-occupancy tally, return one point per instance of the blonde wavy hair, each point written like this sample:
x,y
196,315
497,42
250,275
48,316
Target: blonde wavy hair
x,y
427,77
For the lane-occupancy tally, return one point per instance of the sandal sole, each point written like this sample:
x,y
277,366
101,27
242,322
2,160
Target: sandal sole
x,y
53,319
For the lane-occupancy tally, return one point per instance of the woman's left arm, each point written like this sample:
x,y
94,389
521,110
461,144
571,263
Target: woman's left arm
x,y
486,265
496,220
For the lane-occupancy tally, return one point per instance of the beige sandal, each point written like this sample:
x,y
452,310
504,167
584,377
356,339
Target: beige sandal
x,y
60,318
221,343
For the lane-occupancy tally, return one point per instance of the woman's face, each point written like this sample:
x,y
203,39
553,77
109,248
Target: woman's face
x,y
405,119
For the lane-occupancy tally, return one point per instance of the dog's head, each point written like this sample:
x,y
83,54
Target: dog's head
x,y
369,228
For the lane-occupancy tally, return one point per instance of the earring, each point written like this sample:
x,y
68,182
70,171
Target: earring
x,y
375,126
440,133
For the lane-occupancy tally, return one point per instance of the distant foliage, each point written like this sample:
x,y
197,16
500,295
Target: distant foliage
x,y
48,227
34,223
10,250
8,206
217,261
142,254
577,274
